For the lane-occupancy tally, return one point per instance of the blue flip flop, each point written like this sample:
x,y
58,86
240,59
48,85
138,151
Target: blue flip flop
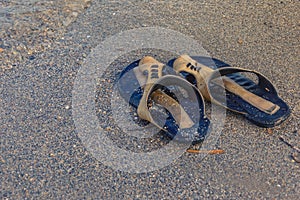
x,y
164,99
258,102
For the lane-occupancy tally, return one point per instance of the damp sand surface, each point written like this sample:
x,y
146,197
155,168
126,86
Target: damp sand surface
x,y
43,46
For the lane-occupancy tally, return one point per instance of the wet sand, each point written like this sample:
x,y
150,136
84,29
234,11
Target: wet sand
x,y
42,50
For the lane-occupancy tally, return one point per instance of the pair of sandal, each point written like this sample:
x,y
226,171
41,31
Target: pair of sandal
x,y
172,98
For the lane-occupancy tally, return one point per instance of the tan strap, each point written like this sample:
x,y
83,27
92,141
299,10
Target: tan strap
x,y
203,73
150,70
199,71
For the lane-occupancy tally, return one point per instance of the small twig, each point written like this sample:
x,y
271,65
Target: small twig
x,y
289,144
211,152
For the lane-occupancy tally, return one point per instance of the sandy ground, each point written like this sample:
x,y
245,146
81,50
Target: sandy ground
x,y
42,50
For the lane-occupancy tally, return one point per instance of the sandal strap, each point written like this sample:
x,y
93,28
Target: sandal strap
x,y
200,72
174,107
257,101
154,88
263,82
152,69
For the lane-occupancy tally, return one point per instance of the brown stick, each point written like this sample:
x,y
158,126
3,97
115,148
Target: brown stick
x,y
211,152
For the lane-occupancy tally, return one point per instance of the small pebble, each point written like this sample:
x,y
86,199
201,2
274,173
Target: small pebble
x,y
270,131
75,14
1,50
67,107
240,41
2,160
32,180
70,170
31,57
